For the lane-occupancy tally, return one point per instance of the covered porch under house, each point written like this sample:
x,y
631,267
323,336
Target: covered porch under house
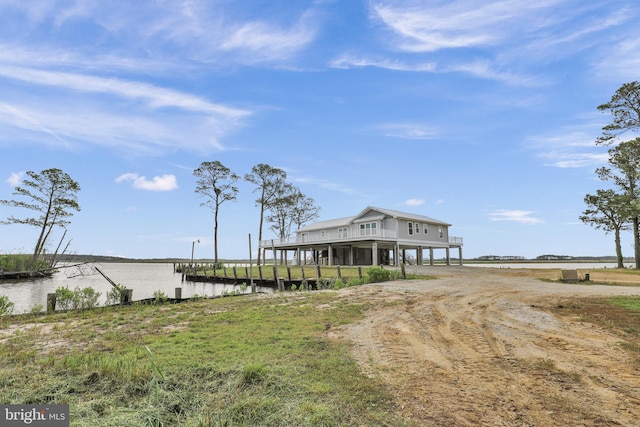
x,y
359,252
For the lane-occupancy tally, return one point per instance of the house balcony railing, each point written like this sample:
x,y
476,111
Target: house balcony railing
x,y
455,241
338,237
329,236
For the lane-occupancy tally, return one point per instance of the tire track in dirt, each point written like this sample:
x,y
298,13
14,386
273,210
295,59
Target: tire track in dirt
x,y
469,349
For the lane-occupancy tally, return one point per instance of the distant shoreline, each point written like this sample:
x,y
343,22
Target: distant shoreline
x,y
105,258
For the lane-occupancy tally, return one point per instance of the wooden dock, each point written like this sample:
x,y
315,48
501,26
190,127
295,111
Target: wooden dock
x,y
280,279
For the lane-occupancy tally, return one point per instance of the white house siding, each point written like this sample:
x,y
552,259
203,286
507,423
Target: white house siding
x,y
432,236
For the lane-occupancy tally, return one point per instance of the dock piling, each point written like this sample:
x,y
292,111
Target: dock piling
x,y
51,302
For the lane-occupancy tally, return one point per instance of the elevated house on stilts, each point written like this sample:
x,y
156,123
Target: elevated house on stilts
x,y
375,236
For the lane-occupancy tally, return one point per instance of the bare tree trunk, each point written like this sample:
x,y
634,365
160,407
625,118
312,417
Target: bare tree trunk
x,y
619,256
52,261
636,240
215,239
43,233
260,229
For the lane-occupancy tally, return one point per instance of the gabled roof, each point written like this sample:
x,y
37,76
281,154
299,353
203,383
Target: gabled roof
x,y
401,215
331,223
343,222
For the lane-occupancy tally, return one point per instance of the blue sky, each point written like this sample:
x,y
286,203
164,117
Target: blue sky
x,y
479,113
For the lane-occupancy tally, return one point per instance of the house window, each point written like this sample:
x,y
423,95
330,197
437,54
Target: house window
x,y
369,229
417,228
440,232
425,228
322,233
410,224
343,233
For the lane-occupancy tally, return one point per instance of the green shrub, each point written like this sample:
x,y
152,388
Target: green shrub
x,y
323,283
64,298
396,275
355,281
339,284
12,262
6,306
160,297
86,299
116,295
378,274
37,309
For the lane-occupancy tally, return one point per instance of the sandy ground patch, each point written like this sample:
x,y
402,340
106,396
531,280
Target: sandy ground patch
x,y
474,347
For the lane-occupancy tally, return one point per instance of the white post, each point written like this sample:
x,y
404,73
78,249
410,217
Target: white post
x,y
374,253
253,286
273,247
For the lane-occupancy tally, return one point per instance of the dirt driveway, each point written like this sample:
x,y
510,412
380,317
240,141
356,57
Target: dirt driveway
x,y
476,347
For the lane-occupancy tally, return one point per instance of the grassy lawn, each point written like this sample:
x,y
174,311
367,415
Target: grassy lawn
x,y
625,274
255,361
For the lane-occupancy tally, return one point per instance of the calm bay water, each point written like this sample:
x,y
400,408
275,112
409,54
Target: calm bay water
x,y
143,278
147,278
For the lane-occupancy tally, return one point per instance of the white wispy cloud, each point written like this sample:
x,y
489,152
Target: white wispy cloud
x,y
408,131
480,68
201,31
426,27
567,34
104,62
561,160
620,61
134,131
166,182
569,147
15,178
521,216
136,116
566,137
154,96
350,60
414,202
96,90
490,70
501,40
259,41
325,184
